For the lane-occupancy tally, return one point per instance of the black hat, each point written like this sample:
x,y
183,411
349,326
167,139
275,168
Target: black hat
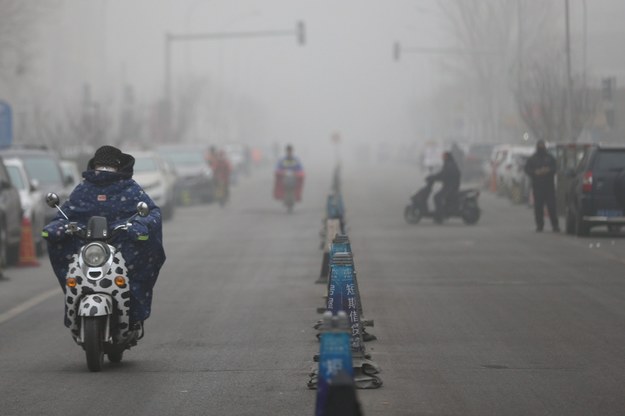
x,y
110,156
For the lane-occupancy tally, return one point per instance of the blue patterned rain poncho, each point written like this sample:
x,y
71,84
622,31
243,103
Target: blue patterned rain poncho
x,y
113,195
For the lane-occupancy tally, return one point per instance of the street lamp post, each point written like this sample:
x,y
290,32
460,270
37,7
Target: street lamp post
x,y
170,38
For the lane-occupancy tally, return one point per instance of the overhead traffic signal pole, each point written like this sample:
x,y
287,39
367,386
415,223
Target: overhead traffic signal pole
x,y
170,38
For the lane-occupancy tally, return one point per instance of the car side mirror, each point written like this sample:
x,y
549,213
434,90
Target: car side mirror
x,y
69,180
34,185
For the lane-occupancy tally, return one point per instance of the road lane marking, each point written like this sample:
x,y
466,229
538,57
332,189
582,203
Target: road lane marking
x,y
24,306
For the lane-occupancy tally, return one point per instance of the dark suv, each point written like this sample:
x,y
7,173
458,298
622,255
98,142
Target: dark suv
x,y
595,194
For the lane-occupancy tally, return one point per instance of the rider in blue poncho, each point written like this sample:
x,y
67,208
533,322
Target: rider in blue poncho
x,y
108,190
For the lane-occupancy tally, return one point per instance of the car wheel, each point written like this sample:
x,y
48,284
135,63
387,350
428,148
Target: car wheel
x,y
582,228
570,222
4,246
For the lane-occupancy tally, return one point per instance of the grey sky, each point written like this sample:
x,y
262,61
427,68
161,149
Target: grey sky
x,y
343,79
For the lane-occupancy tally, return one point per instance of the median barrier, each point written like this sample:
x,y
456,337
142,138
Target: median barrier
x,y
334,372
342,296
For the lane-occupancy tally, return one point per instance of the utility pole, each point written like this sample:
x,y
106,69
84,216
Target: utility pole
x,y
569,78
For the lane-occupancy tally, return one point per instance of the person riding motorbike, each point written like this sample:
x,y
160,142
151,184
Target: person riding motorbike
x,y
222,170
288,164
108,190
449,175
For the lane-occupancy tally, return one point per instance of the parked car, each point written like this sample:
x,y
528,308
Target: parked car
x,y
195,182
31,199
568,156
595,194
43,165
71,172
476,161
158,179
512,180
10,219
239,158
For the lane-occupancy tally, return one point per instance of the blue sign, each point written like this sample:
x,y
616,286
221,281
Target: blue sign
x,y
343,296
6,125
335,356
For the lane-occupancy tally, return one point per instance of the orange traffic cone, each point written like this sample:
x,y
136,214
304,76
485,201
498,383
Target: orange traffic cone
x,y
28,257
493,181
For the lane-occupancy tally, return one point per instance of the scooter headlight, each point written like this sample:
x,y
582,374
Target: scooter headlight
x,y
95,254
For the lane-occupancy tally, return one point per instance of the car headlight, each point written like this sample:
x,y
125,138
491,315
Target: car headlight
x,y
95,254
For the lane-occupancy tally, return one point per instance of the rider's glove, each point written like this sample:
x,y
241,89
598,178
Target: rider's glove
x,y
138,231
55,230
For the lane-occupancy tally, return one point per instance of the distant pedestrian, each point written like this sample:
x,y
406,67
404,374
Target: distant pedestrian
x,y
541,168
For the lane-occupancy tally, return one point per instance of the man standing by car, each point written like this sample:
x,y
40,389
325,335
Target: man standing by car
x,y
541,168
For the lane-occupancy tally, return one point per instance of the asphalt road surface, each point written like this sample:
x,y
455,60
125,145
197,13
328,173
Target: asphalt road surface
x,y
492,319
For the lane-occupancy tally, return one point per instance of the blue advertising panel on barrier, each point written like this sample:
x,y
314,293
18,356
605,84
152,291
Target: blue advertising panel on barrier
x,y
342,297
334,357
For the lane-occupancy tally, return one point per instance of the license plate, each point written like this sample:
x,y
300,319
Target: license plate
x,y
609,213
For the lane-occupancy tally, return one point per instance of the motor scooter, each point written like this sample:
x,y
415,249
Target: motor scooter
x,y
97,293
464,205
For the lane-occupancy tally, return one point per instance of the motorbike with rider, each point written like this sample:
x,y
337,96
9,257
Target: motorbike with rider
x,y
222,170
106,250
449,201
289,179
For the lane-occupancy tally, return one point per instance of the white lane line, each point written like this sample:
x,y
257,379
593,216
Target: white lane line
x,y
31,303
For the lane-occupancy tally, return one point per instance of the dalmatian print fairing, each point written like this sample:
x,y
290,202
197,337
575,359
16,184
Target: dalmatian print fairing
x,y
119,309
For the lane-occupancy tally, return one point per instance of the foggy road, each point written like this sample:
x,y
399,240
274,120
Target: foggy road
x,y
492,319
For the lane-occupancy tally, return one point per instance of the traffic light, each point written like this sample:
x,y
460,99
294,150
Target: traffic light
x,y
301,33
607,88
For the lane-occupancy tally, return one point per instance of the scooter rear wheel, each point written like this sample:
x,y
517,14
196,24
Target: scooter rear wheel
x,y
94,341
471,214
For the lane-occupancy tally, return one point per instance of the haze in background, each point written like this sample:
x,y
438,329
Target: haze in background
x,y
270,90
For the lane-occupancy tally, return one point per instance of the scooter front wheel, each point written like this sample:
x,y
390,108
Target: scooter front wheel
x,y
94,341
412,214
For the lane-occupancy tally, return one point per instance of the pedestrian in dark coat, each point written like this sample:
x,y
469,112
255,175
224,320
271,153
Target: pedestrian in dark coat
x,y
108,190
541,168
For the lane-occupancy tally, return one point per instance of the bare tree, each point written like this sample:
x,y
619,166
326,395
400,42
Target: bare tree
x,y
543,97
495,38
17,23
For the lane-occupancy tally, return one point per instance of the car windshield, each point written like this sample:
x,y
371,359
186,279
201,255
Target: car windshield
x,y
613,160
145,164
184,158
44,169
16,177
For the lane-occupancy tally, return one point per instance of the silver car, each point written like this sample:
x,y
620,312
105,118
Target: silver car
x,y
32,199
157,178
